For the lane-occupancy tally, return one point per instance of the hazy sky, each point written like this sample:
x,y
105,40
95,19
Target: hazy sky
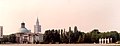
x,y
59,14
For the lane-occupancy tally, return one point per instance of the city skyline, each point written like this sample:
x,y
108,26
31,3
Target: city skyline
x,y
59,14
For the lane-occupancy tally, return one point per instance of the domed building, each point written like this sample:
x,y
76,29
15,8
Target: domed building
x,y
26,36
23,29
23,34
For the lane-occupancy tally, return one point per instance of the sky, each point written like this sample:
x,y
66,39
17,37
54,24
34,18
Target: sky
x,y
59,14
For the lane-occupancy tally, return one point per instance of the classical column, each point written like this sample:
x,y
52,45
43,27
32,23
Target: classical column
x,y
111,40
108,40
102,40
105,41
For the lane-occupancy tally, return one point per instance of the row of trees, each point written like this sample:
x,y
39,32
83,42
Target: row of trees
x,y
8,38
75,36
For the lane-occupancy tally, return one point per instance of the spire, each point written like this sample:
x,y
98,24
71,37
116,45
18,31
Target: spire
x,y
37,20
37,27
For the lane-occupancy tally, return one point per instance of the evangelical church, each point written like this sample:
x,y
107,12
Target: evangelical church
x,y
26,36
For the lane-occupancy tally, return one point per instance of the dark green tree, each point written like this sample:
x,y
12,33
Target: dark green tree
x,y
114,35
12,38
95,36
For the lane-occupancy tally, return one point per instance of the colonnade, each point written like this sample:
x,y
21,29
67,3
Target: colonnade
x,y
105,40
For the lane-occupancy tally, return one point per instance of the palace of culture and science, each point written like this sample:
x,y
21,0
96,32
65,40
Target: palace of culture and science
x,y
37,27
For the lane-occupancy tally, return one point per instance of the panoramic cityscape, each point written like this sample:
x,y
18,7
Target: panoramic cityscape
x,y
59,23
58,36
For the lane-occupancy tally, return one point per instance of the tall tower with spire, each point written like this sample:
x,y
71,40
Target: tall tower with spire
x,y
37,27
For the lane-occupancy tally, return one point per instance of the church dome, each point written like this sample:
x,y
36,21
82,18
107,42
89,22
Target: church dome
x,y
23,30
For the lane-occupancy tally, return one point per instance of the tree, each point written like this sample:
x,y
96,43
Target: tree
x,y
95,35
114,35
51,36
81,37
87,38
75,29
12,38
46,37
5,39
